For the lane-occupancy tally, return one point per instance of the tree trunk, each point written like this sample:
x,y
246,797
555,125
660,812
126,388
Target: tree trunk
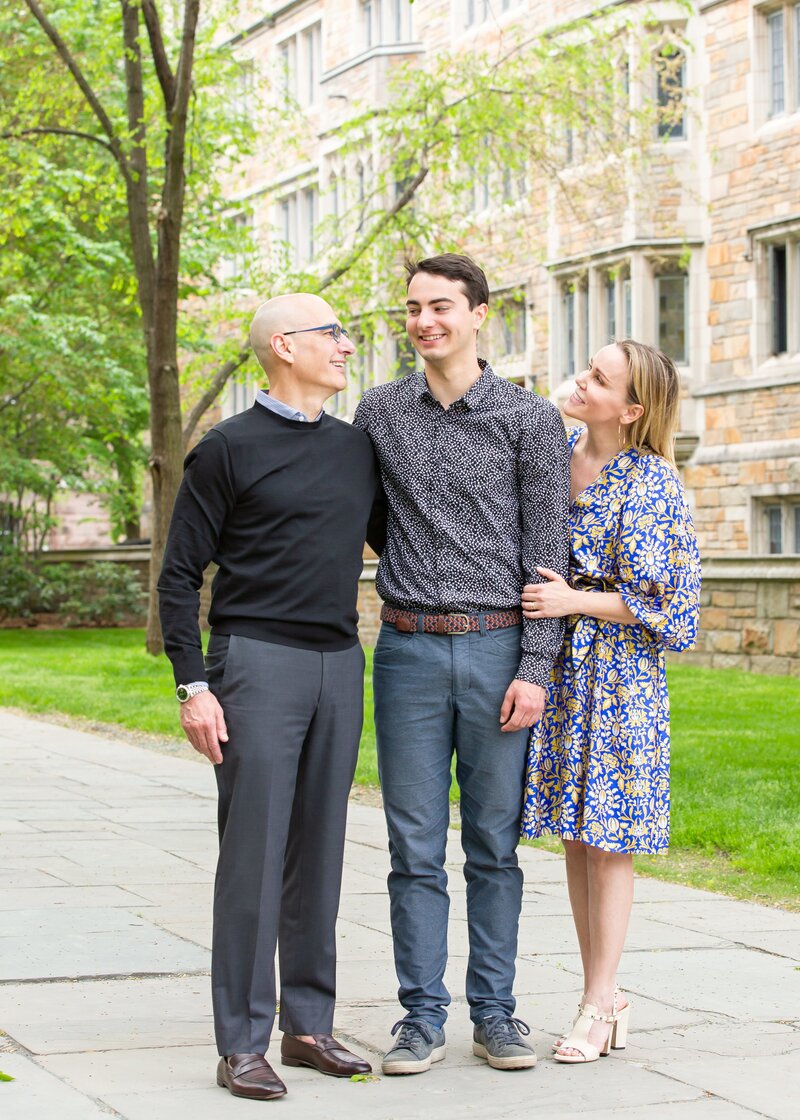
x,y
166,469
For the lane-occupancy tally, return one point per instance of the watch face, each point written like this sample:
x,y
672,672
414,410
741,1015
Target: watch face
x,y
182,692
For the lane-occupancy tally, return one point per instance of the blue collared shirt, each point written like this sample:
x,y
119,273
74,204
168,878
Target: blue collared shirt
x,y
272,403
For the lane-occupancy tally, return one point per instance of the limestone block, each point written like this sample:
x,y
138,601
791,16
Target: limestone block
x,y
730,661
773,600
786,637
714,618
756,638
772,666
724,641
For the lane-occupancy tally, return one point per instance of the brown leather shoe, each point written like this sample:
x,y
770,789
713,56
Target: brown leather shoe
x,y
250,1075
327,1055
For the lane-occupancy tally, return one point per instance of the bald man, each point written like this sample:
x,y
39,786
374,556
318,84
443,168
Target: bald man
x,y
280,498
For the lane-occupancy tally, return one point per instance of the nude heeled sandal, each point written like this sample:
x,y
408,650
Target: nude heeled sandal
x,y
619,1032
558,1044
578,1039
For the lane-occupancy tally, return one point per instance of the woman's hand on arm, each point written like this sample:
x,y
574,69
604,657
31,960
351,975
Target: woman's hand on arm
x,y
555,598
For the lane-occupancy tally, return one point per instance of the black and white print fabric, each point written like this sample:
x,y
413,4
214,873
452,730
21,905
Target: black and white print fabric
x,y
478,497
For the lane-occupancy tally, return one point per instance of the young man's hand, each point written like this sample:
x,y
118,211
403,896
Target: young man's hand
x,y
204,725
523,705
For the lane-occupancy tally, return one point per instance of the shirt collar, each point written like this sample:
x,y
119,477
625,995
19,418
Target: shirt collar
x,y
473,396
274,405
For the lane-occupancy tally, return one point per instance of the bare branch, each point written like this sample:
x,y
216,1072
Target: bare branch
x,y
218,383
71,64
54,130
10,399
166,78
386,219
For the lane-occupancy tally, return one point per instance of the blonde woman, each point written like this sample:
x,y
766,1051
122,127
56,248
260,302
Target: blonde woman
x,y
598,761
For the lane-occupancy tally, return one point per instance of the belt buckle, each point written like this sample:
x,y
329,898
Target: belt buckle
x,y
455,614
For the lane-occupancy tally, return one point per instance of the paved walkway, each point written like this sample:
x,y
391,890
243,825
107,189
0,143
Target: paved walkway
x,y
106,861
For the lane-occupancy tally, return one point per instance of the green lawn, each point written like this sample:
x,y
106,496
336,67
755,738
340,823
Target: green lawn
x,y
735,776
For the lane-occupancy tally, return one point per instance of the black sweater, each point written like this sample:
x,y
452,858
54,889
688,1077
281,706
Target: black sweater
x,y
282,507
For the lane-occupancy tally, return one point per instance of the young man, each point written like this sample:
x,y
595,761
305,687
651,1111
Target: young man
x,y
477,481
279,498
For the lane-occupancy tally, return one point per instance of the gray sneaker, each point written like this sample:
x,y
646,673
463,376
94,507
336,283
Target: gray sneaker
x,y
497,1039
418,1046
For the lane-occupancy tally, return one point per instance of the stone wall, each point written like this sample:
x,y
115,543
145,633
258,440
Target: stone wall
x,y
750,617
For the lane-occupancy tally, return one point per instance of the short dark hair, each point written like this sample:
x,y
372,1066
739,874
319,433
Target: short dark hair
x,y
454,266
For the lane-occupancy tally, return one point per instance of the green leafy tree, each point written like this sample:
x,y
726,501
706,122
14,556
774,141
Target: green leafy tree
x,y
143,95
127,86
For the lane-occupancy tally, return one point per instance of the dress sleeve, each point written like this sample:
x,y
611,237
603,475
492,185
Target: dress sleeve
x,y
658,563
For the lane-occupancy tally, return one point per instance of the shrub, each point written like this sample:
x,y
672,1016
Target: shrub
x,y
81,594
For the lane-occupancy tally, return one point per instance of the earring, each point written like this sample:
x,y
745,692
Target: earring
x,y
620,440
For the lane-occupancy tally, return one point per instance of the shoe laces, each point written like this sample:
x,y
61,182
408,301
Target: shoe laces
x,y
504,1029
412,1031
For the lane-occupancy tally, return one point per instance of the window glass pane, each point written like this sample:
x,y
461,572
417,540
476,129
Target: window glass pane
x,y
670,81
774,530
372,19
405,356
796,511
285,68
569,144
584,355
611,309
778,293
627,302
672,306
569,333
509,332
401,20
797,56
777,96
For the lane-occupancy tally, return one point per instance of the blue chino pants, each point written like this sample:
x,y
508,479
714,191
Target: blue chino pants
x,y
435,695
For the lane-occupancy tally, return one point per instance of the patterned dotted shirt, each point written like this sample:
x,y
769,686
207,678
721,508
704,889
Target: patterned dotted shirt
x,y
478,497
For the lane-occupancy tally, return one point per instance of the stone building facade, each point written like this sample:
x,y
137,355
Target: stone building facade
x,y
706,263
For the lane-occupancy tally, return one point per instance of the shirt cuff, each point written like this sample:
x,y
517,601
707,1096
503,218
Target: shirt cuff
x,y
534,669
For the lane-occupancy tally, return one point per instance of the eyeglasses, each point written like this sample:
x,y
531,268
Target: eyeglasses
x,y
334,328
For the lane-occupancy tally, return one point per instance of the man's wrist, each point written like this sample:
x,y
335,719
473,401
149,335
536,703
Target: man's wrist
x,y
185,692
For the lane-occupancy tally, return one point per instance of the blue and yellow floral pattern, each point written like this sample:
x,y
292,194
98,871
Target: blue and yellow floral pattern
x,y
598,760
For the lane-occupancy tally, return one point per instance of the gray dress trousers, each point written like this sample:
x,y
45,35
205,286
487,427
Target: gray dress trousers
x,y
294,721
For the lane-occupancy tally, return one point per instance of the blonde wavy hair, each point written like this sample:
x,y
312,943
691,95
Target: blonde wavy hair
x,y
654,383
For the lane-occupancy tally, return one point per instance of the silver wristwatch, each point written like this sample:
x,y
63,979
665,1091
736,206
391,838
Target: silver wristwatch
x,y
185,692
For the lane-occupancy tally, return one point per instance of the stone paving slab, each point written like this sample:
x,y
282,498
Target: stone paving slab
x,y
126,1014
106,862
36,1094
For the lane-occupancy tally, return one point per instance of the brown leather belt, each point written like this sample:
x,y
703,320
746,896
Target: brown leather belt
x,y
454,622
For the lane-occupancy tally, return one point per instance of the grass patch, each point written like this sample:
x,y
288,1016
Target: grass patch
x,y
735,780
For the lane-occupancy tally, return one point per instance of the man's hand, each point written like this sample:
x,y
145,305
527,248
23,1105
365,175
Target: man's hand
x,y
523,705
553,599
204,725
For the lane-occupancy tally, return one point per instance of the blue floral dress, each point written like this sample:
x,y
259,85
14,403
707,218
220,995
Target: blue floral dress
x,y
598,760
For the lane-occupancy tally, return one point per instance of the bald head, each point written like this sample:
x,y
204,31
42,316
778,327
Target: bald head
x,y
285,313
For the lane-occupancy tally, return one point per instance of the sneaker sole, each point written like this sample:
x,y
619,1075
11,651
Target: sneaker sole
x,y
392,1068
519,1061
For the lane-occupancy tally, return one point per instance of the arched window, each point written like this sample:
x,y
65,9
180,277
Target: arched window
x,y
671,93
